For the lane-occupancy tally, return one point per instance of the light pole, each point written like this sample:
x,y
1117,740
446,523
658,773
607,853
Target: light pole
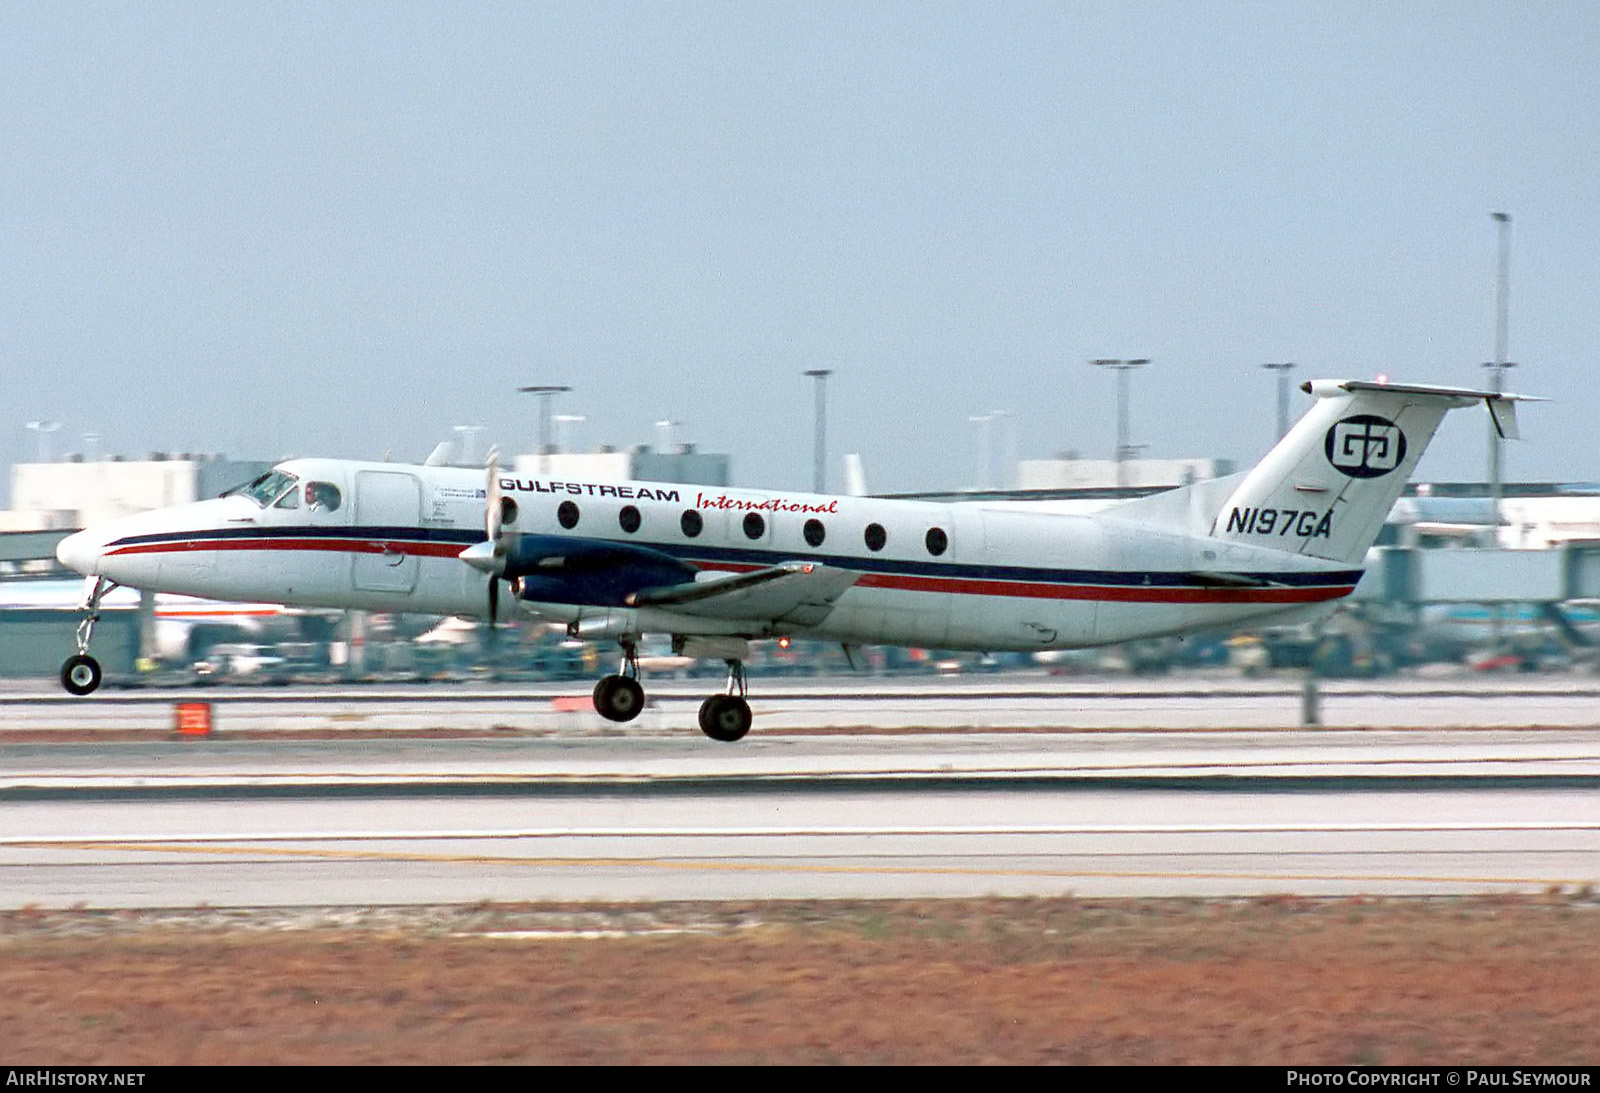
x,y
43,429
467,444
664,429
1282,368
819,452
546,392
1497,379
563,430
993,426
1497,367
982,422
1007,445
1124,449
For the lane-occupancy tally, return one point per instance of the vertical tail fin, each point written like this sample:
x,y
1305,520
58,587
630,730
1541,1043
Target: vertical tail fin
x,y
1326,488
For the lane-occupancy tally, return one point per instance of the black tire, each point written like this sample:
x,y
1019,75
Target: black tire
x,y
618,698
80,674
725,718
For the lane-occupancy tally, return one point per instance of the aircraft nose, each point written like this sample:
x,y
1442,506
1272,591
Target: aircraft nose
x,y
81,552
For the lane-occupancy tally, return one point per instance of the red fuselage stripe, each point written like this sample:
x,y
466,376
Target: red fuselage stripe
x,y
1043,590
905,583
337,546
1117,593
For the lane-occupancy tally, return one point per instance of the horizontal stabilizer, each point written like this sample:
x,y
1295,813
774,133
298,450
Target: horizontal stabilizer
x,y
1327,388
1502,404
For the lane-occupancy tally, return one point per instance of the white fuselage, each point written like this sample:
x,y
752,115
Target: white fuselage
x,y
387,537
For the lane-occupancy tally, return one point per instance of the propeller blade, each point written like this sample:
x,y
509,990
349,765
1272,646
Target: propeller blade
x,y
494,601
491,511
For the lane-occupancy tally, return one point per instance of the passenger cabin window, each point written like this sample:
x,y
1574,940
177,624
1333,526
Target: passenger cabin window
x,y
815,532
567,514
938,541
508,511
876,537
628,519
691,523
754,526
323,496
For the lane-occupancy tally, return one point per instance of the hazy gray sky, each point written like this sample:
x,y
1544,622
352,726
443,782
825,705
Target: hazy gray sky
x,y
342,229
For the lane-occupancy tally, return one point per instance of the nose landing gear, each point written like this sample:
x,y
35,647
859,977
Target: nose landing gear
x,y
80,674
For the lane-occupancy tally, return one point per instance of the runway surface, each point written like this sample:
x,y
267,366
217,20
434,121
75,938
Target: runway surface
x,y
867,702
845,800
796,842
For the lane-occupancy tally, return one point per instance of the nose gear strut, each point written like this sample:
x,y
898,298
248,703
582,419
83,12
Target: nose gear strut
x,y
81,674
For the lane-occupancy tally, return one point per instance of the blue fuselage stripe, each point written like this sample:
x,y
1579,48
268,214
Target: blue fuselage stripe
x,y
713,556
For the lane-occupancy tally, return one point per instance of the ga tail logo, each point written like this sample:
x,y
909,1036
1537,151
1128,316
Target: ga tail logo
x,y
1365,446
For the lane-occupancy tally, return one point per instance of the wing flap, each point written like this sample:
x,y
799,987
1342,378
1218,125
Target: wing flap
x,y
798,593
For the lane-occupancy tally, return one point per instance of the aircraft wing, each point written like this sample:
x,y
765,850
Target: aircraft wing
x,y
800,593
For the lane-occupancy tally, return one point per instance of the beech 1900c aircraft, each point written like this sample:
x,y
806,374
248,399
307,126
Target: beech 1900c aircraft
x,y
717,568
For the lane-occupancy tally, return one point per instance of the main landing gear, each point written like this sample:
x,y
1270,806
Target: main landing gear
x,y
620,697
724,717
81,674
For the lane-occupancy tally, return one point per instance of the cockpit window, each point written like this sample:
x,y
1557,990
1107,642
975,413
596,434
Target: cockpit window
x,y
266,489
325,496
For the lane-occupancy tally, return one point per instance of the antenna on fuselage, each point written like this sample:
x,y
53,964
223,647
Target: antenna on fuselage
x,y
546,392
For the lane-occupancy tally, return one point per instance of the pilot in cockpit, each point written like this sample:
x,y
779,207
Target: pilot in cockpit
x,y
322,495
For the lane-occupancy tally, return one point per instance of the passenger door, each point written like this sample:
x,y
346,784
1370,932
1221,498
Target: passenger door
x,y
388,513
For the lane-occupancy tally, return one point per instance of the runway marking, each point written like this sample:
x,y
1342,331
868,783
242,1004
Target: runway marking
x,y
90,841
1354,763
202,847
193,847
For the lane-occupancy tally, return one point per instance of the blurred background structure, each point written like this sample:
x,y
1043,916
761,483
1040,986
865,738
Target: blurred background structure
x,y
1465,576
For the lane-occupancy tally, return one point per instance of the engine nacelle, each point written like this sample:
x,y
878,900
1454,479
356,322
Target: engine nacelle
x,y
595,572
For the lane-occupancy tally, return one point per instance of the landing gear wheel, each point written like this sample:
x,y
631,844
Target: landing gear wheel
x,y
725,717
80,674
618,698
